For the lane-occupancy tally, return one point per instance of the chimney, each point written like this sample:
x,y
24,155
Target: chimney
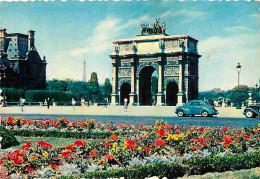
x,y
31,39
2,39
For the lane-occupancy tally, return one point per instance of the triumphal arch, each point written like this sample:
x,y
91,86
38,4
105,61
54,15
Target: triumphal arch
x,y
174,58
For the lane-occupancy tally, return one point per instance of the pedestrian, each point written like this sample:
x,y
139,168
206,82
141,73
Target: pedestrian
x,y
125,104
22,101
48,103
73,102
82,102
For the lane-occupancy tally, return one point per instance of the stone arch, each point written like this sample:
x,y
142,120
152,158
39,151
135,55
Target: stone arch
x,y
125,90
145,75
171,93
146,64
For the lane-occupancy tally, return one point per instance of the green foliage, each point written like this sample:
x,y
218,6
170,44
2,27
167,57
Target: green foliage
x,y
57,85
8,138
79,89
41,95
94,91
196,166
107,89
12,94
59,134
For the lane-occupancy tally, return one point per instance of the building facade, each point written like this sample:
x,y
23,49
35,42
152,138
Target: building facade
x,y
175,58
20,64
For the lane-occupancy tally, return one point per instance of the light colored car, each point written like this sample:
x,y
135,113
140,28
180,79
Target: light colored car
x,y
196,107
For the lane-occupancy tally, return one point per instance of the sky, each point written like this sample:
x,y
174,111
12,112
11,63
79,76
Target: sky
x,y
69,32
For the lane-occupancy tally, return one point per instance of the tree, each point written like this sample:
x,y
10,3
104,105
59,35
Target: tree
x,y
56,84
79,89
94,90
107,89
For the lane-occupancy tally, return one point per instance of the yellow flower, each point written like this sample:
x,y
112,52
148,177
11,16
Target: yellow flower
x,y
156,122
101,143
258,129
181,143
115,144
254,129
259,124
45,154
181,135
175,137
139,148
169,137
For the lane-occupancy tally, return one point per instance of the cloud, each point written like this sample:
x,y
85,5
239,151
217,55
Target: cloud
x,y
236,29
190,15
220,56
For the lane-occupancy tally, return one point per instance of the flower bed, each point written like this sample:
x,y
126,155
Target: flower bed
x,y
159,149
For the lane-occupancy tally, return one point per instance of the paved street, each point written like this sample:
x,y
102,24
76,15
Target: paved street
x,y
200,121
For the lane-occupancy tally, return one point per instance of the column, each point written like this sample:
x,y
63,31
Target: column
x,y
114,95
180,85
160,100
132,95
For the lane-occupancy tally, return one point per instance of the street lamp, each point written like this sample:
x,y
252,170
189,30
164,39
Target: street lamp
x,y
238,68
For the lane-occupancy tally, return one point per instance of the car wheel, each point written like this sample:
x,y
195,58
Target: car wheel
x,y
250,114
180,113
204,113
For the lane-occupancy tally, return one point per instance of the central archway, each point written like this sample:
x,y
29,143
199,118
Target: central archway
x,y
125,90
145,92
171,94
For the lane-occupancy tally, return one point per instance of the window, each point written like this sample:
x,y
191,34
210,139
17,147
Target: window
x,y
10,50
15,49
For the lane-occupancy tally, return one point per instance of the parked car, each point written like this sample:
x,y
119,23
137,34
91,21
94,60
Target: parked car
x,y
252,111
196,107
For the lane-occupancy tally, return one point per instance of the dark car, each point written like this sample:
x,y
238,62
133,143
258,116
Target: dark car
x,y
252,111
196,107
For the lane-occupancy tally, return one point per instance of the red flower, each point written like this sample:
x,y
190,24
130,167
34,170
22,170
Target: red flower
x,y
246,137
26,146
238,133
44,144
178,130
66,155
147,149
1,162
54,166
83,125
114,137
109,156
93,153
18,160
161,132
74,123
70,147
131,144
80,143
107,144
178,151
159,142
29,169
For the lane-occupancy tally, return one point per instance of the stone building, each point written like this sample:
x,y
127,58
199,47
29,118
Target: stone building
x,y
20,64
175,58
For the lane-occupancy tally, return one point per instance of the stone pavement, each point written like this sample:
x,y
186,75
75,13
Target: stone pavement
x,y
164,111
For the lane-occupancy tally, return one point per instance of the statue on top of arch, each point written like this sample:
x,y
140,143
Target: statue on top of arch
x,y
155,28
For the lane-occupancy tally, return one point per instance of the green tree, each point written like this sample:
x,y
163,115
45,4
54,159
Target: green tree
x,y
94,91
56,84
79,89
107,89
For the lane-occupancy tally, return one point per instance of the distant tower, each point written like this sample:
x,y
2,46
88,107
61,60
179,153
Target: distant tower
x,y
84,71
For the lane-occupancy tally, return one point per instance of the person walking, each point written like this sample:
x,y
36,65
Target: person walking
x,y
22,101
73,102
125,104
48,103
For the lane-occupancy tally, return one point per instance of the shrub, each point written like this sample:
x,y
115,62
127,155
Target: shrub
x,y
187,167
41,95
12,94
8,138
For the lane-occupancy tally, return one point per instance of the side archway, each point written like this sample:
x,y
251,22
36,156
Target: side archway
x,y
171,93
125,90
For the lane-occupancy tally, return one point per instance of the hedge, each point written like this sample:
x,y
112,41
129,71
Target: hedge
x,y
41,95
67,134
196,166
12,94
8,138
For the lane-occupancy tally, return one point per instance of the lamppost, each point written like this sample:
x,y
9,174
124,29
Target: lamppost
x,y
4,103
238,68
256,92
